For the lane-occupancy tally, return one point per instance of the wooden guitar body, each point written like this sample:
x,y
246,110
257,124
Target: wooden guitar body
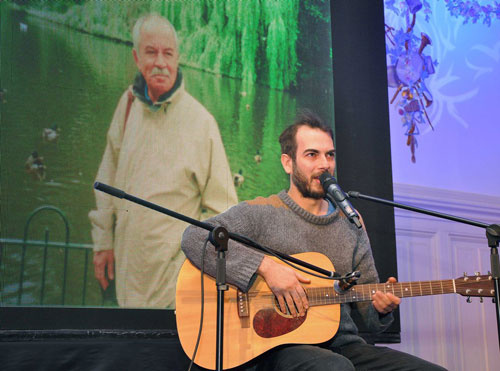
x,y
253,323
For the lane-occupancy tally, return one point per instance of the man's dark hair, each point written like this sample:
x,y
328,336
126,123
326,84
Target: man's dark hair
x,y
304,118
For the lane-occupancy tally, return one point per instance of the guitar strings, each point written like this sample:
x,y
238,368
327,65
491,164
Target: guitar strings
x,y
418,288
327,295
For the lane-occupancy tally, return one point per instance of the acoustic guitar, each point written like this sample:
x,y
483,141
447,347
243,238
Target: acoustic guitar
x,y
254,324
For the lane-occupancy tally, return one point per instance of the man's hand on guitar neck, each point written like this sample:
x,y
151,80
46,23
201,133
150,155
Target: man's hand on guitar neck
x,y
285,283
385,303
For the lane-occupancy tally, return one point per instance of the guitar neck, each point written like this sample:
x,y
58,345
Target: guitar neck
x,y
328,295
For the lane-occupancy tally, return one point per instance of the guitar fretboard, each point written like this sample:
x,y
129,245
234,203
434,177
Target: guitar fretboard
x,y
328,295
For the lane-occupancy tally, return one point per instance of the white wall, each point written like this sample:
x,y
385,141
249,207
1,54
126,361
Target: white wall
x,y
463,151
445,329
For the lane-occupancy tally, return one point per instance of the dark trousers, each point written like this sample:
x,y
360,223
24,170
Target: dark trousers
x,y
351,357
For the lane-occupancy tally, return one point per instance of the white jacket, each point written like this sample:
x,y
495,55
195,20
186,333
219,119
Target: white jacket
x,y
173,157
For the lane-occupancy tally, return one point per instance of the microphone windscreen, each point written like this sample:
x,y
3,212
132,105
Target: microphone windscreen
x,y
326,180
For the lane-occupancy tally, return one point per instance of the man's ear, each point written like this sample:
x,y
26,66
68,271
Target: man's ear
x,y
287,163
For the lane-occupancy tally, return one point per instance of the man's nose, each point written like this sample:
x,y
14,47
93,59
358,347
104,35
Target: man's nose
x,y
161,60
325,163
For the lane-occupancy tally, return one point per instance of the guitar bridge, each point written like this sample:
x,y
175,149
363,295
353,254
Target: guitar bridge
x,y
243,307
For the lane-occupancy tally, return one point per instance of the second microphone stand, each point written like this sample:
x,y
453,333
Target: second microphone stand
x,y
492,234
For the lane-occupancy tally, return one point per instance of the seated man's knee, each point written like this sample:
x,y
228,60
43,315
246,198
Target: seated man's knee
x,y
336,362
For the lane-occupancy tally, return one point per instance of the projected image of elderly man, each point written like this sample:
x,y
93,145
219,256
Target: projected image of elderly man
x,y
165,147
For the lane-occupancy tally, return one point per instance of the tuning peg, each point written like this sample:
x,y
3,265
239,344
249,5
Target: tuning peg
x,y
493,301
465,274
468,299
489,273
477,273
481,299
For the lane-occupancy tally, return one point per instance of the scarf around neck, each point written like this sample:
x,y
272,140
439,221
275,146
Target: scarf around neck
x,y
140,89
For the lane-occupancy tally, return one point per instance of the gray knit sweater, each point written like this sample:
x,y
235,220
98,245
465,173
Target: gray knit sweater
x,y
279,223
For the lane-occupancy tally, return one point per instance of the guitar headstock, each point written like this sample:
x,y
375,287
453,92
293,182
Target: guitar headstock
x,y
477,285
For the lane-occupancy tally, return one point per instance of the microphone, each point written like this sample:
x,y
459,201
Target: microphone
x,y
336,195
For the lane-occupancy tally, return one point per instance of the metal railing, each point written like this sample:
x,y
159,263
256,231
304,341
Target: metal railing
x,y
46,244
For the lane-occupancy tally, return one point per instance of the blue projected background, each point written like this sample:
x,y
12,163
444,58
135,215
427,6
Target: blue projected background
x,y
443,69
458,73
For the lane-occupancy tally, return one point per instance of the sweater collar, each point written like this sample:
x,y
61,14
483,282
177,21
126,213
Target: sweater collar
x,y
304,214
140,91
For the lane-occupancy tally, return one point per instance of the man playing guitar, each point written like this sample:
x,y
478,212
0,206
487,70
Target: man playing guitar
x,y
297,221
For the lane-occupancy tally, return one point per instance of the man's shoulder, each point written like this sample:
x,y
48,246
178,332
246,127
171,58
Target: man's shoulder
x,y
195,106
273,200
126,92
125,96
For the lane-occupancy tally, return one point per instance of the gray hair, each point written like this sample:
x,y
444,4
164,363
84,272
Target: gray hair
x,y
152,18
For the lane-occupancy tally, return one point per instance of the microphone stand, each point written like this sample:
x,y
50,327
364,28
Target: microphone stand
x,y
219,237
492,234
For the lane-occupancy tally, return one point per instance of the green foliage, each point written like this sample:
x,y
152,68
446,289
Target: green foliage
x,y
314,43
254,40
281,16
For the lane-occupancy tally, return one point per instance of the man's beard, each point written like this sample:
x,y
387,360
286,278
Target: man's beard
x,y
304,187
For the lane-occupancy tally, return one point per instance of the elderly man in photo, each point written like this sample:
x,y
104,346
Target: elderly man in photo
x,y
165,147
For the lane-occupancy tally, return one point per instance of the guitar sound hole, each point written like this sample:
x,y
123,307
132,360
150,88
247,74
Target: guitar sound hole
x,y
270,322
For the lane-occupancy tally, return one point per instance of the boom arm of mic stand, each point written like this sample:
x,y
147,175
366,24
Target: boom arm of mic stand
x,y
355,194
492,234
219,238
121,194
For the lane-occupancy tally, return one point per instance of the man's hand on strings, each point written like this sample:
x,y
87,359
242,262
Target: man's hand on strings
x,y
285,283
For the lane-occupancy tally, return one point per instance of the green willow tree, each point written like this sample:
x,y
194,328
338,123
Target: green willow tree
x,y
253,40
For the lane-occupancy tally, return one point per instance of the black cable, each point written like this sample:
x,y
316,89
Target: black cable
x,y
202,269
